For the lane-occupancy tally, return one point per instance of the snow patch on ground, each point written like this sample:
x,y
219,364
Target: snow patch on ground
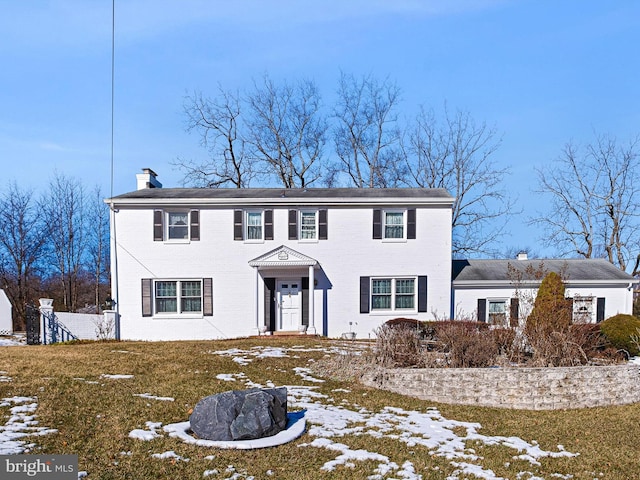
x,y
21,424
328,422
153,397
305,373
13,341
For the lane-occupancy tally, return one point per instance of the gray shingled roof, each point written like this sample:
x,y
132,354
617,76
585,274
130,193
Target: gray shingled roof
x,y
277,193
477,271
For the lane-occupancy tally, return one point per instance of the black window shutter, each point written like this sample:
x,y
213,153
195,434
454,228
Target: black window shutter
x,y
377,224
482,309
237,225
411,223
157,225
514,312
600,309
207,297
195,224
293,224
323,233
365,285
147,310
270,303
422,293
268,224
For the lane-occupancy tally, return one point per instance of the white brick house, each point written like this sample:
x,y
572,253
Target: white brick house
x,y
223,263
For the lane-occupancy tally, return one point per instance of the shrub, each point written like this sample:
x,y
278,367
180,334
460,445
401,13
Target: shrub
x,y
398,346
409,323
620,330
551,310
547,327
467,344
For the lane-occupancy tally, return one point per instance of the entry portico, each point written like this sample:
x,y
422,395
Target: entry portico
x,y
284,273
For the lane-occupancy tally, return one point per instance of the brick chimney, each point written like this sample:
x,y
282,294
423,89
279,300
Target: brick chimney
x,y
147,179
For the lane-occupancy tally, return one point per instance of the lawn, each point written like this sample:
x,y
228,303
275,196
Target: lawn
x,y
110,403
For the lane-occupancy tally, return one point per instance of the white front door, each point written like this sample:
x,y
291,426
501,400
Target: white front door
x,y
288,304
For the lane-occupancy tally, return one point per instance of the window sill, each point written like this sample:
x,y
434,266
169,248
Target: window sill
x,y
394,240
177,242
177,316
393,312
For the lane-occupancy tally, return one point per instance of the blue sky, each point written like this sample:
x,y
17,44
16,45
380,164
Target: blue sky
x,y
541,72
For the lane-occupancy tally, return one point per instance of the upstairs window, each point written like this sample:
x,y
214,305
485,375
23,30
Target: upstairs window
x,y
176,225
308,225
394,224
254,226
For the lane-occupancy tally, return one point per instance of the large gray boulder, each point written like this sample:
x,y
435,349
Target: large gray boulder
x,y
240,414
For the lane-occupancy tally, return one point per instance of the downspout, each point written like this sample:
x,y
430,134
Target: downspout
x,y
114,269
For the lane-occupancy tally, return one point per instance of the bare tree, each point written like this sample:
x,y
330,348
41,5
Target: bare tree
x,y
594,210
367,135
98,246
455,154
22,245
218,123
288,130
64,207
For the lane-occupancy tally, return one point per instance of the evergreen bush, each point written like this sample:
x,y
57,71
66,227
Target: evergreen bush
x,y
620,331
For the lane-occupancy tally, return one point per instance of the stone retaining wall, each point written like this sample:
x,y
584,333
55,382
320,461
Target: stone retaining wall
x,y
517,388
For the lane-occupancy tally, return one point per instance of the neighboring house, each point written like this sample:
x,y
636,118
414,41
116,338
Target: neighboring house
x,y
221,263
6,322
502,291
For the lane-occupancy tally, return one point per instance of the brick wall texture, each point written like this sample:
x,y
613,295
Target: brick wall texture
x,y
516,388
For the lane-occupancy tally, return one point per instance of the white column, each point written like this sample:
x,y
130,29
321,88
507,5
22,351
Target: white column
x,y
312,327
256,302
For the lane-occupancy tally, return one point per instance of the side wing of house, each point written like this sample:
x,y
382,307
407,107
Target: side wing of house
x,y
316,261
482,290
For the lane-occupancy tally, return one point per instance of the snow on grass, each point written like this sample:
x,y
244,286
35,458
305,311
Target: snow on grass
x,y
146,435
13,341
328,422
80,379
115,377
305,373
170,454
153,397
20,424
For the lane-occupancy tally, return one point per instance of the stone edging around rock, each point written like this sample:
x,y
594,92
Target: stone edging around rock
x,y
516,388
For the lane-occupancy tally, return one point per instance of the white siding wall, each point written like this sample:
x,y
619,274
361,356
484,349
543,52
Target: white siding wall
x,y
349,253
